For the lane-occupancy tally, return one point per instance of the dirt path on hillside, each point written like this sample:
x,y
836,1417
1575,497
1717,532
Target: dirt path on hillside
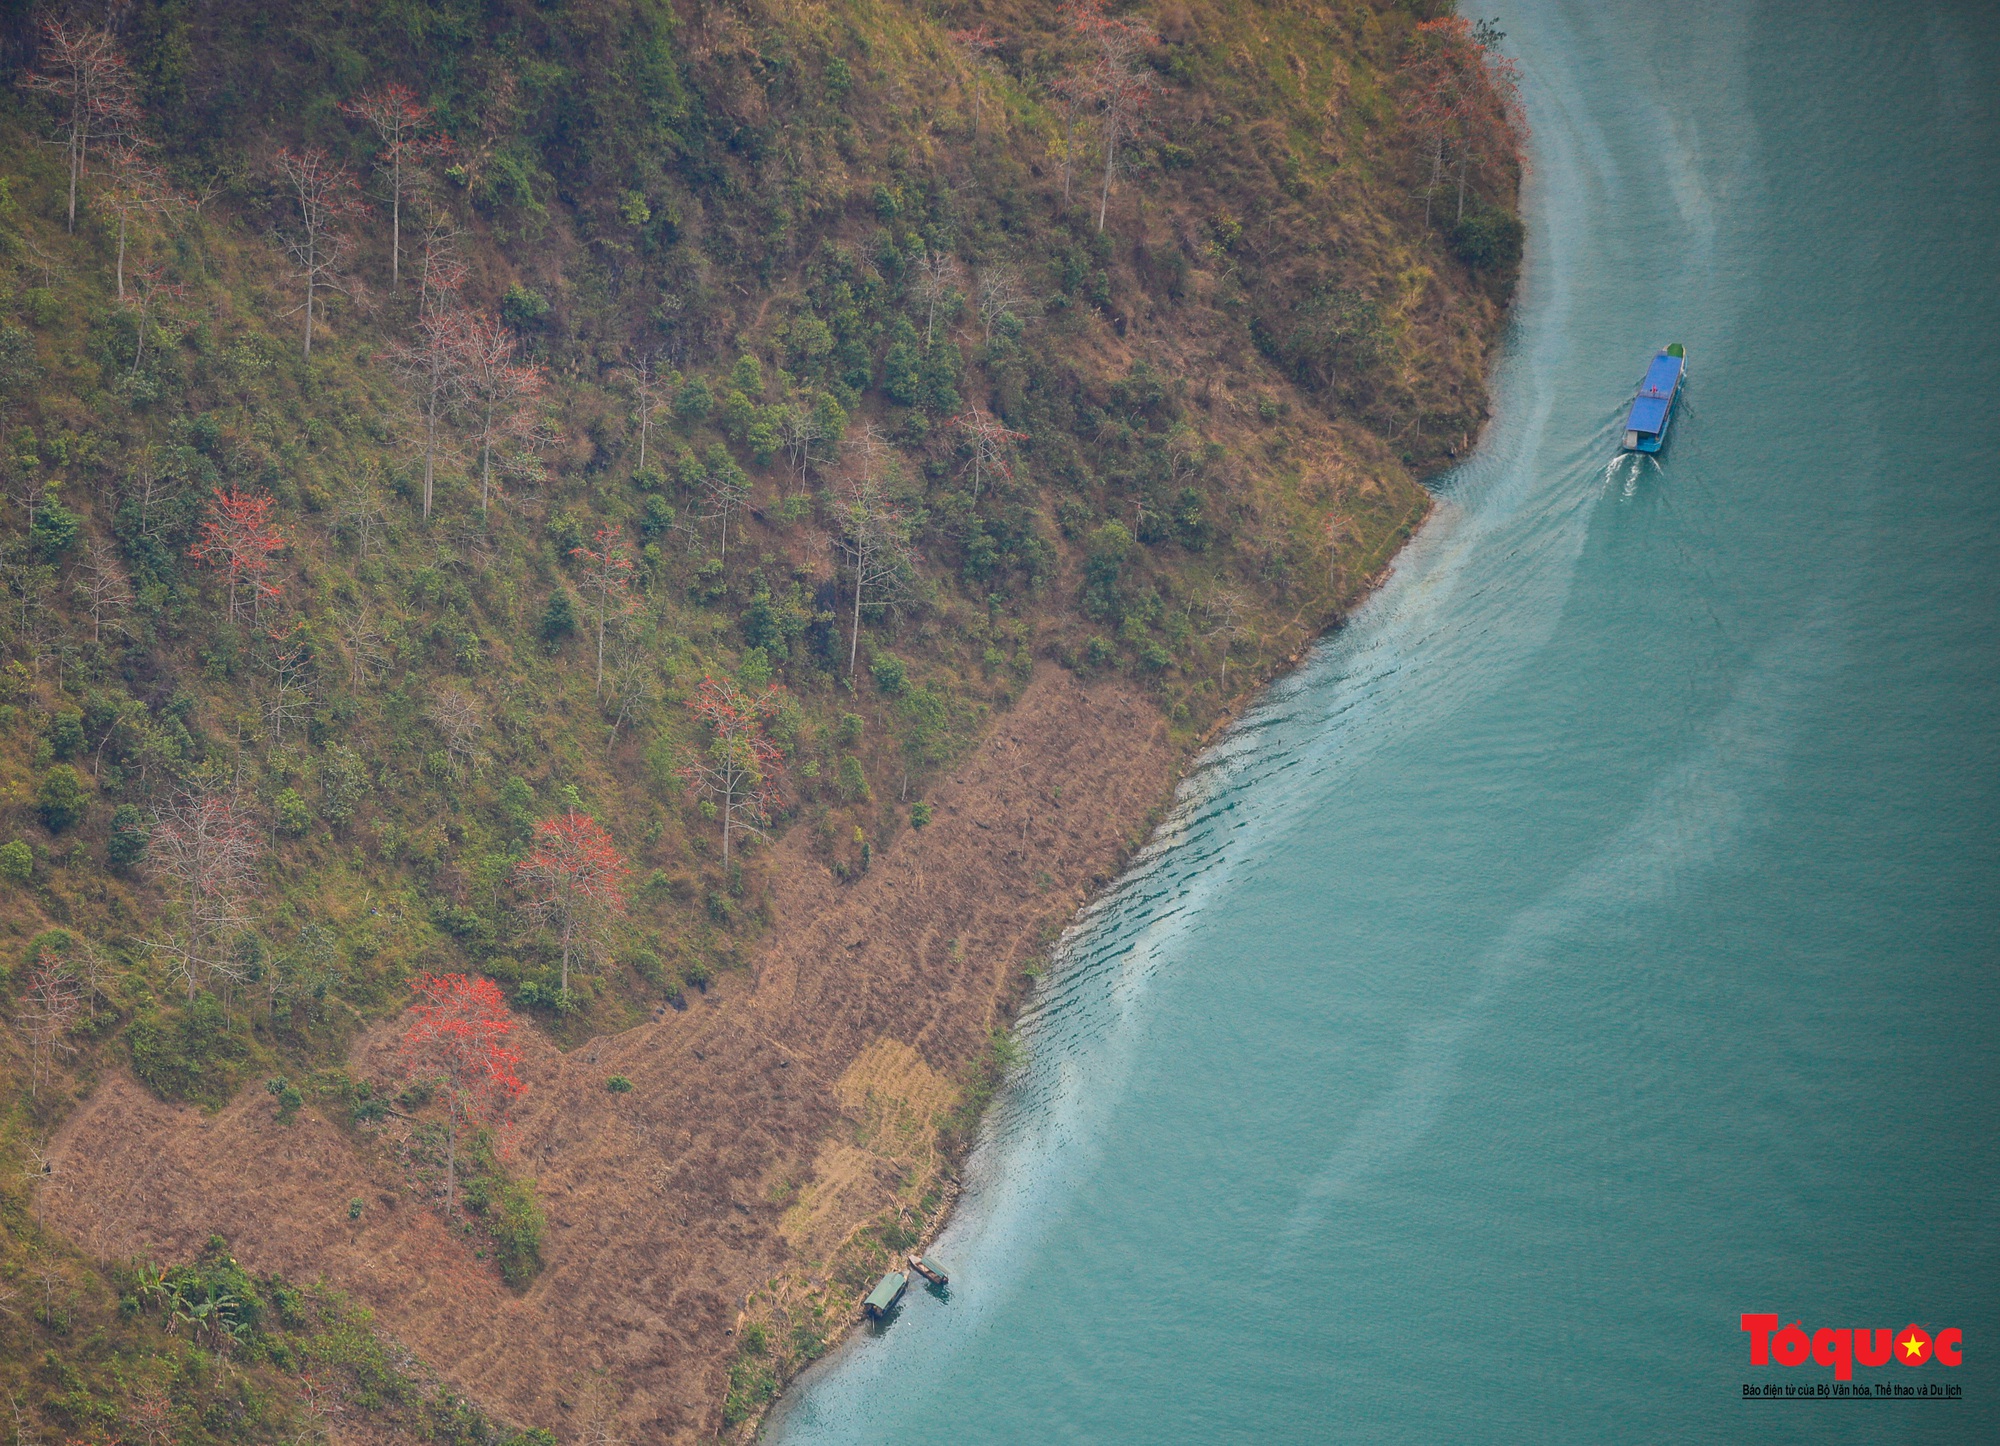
x,y
742,1150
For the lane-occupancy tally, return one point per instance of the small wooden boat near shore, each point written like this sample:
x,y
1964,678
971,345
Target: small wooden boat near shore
x,y
929,1269
882,1299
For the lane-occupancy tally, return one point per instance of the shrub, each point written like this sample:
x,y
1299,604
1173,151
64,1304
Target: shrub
x,y
294,817
343,783
514,1221
191,1056
517,805
558,619
902,374
17,862
289,1099
619,1085
890,675
694,401
523,307
849,731
66,734
920,813
1488,239
1103,565
62,798
129,836
55,531
850,780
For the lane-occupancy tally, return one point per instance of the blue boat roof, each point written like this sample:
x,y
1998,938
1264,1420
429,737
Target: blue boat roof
x,y
1656,394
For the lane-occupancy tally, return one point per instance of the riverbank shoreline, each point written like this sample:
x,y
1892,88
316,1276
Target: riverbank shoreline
x,y
1187,761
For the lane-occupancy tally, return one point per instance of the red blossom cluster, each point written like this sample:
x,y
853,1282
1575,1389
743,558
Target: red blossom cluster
x,y
237,535
456,1043
574,876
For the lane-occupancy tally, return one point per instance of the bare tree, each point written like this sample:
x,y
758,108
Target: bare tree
x,y
155,488
149,1414
875,540
605,577
153,292
938,275
289,663
724,490
363,642
500,391
103,588
990,442
633,687
90,969
204,853
1119,84
47,1011
360,510
91,84
443,267
433,366
324,194
800,429
1225,624
139,190
741,769
1001,294
648,389
458,717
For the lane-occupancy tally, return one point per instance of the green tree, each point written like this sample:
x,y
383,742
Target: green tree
x,y
294,815
62,798
17,862
66,734
127,844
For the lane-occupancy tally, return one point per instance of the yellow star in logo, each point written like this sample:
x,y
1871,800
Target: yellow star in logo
x,y
1914,1346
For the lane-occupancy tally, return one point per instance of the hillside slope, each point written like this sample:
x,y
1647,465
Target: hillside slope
x,y
730,435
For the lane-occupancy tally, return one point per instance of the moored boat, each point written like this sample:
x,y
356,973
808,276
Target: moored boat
x,y
1653,408
887,1292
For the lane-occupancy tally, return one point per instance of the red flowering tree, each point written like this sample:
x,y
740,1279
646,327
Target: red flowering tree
x,y
1113,79
407,132
237,536
575,877
739,773
456,1044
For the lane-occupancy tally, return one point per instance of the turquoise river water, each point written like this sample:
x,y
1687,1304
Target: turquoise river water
x,y
1596,941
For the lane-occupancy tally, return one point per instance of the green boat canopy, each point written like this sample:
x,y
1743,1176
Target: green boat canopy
x,y
884,1295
